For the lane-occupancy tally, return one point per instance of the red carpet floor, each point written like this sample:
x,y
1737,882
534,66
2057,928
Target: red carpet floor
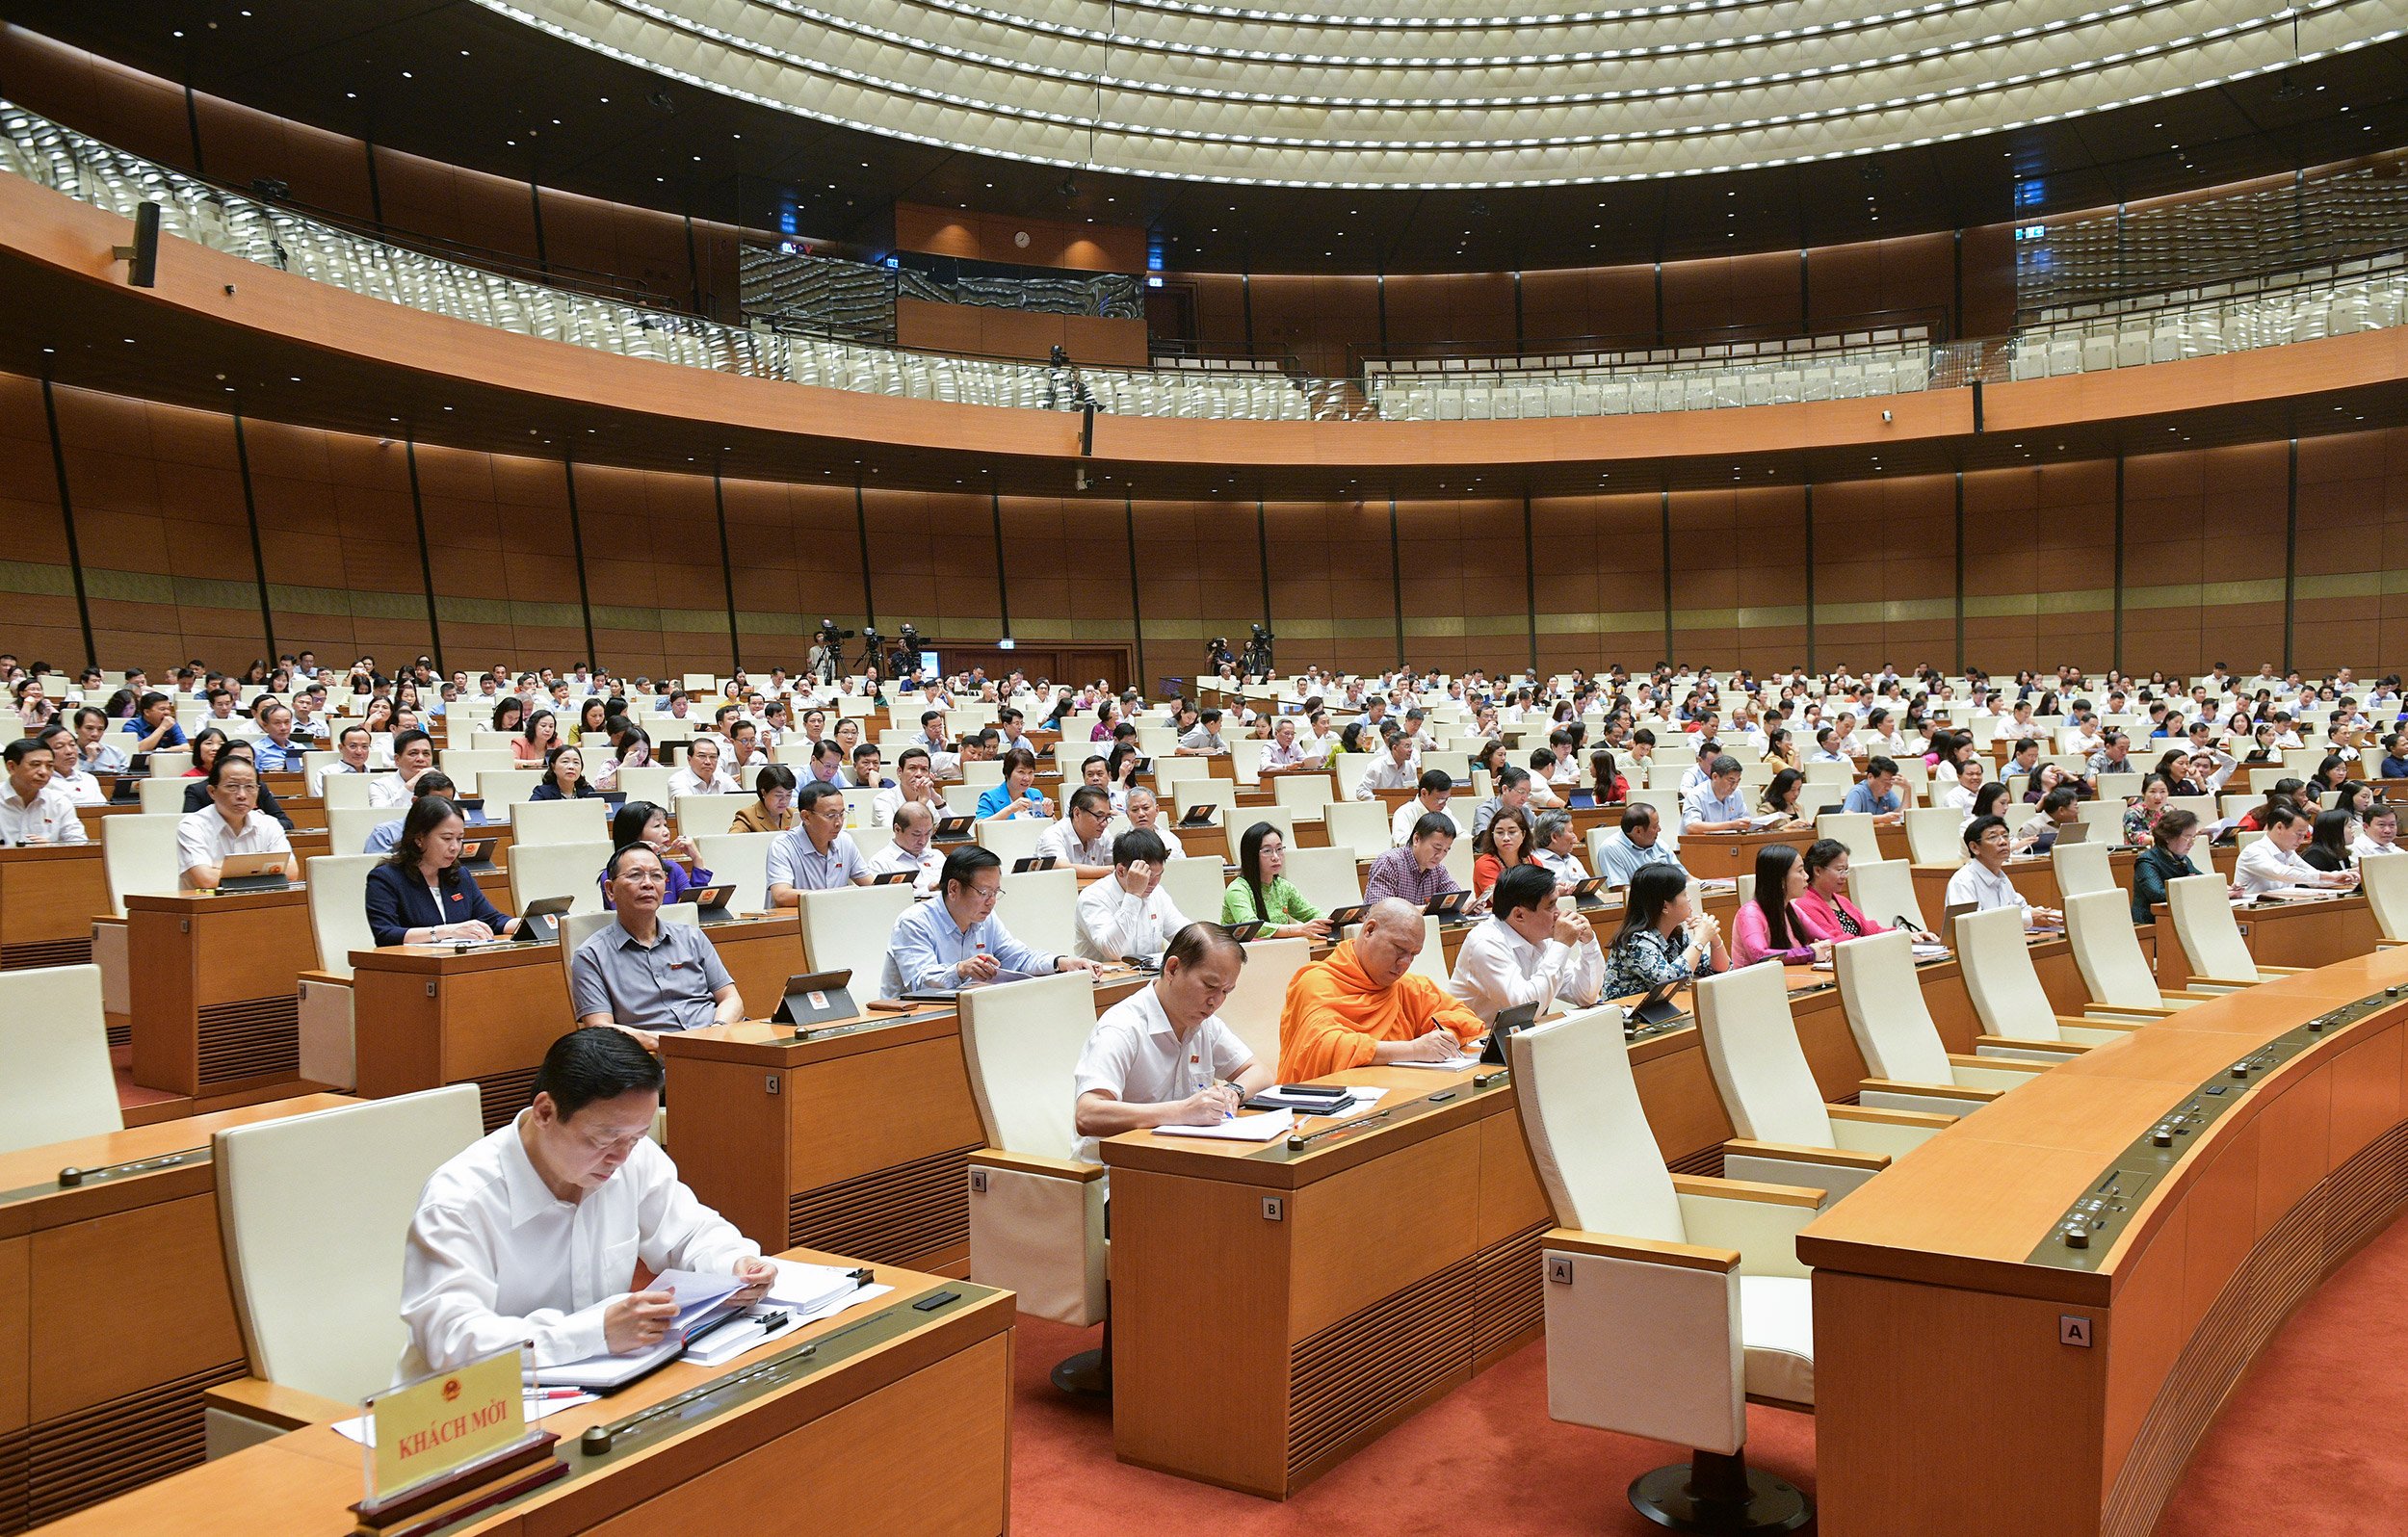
x,y
2306,1447
1485,1459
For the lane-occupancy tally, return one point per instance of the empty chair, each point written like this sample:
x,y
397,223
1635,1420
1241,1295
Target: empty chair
x,y
1856,830
1252,1007
1911,1068
558,821
60,1085
1013,838
314,1211
2016,1016
2211,937
1785,1129
741,860
1884,890
2107,952
1681,1298
1329,878
1194,886
1933,835
2083,868
1304,794
1039,908
2385,880
1360,826
847,928
1036,1215
559,870
347,826
338,922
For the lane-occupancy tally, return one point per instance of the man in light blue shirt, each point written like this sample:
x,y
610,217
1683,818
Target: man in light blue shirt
x,y
818,855
1638,846
386,836
1717,805
1877,792
1698,772
277,752
955,941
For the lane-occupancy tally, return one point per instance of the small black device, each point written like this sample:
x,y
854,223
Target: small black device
x,y
477,858
953,829
815,997
1831,810
1658,1007
1448,903
1340,918
1199,815
893,878
1034,862
1251,929
709,903
1585,892
614,799
541,922
471,809
1509,1021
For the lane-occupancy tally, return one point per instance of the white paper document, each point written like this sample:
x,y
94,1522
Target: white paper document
x,y
1452,1064
1260,1128
363,1428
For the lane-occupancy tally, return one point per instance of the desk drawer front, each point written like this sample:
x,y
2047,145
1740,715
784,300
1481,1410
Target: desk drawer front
x,y
889,1217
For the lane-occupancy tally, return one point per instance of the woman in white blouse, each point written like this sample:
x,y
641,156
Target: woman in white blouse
x,y
231,824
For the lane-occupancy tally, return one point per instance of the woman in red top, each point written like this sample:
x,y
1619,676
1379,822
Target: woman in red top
x,y
1607,786
1503,843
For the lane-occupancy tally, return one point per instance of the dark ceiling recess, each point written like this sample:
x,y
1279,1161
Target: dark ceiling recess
x,y
454,81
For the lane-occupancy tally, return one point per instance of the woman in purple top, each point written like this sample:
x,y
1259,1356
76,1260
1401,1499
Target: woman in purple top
x,y
641,821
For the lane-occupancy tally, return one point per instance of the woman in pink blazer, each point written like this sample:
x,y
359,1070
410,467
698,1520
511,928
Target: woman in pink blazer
x,y
1824,911
1767,927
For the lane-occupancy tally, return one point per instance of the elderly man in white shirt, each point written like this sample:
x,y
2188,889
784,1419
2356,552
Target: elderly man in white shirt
x,y
1284,752
533,1234
2272,863
232,823
1127,913
1526,952
701,774
1143,810
67,773
34,811
1164,1057
912,848
1982,879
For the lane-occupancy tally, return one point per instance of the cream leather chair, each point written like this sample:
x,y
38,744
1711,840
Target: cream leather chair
x,y
1304,794
1253,1006
558,870
505,788
540,822
741,860
314,1211
338,922
1041,908
2016,1016
1194,887
1671,1300
60,1085
345,791
1785,1129
1857,830
2384,877
1036,1215
2083,867
1932,835
1360,826
1912,1069
347,826
1329,878
847,929
1221,792
645,782
1885,890
138,858
162,797
709,816
2211,937
1013,838
2107,950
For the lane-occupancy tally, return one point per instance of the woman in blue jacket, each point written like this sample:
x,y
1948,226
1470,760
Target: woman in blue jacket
x,y
421,896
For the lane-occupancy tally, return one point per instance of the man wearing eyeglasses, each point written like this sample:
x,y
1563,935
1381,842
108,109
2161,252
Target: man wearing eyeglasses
x,y
534,1234
644,977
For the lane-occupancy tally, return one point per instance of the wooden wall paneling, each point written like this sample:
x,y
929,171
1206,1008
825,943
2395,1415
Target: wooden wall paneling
x,y
1076,244
795,557
1988,264
505,568
1429,556
165,539
2353,542
1331,596
1316,317
137,112
1768,552
1704,578
1220,299
2001,570
1198,576
2203,551
456,203
1086,542
653,572
1849,576
1040,555
988,330
242,145
2040,566
1602,301
539,557
339,539
719,283
1917,541
934,558
642,247
1732,291
37,576
1916,271
1599,568
1473,307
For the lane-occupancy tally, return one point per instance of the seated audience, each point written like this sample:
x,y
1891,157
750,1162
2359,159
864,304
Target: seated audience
x,y
1127,912
1767,927
33,809
1363,1003
1664,937
420,895
912,848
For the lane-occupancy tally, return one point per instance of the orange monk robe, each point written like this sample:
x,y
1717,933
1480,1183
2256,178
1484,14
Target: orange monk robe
x,y
1334,1016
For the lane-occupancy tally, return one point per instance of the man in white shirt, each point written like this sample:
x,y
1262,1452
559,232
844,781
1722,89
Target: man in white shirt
x,y
701,774
1431,793
912,848
2272,863
352,749
918,784
1558,847
1527,952
1163,1058
1318,742
1982,879
1284,753
1078,839
33,811
67,773
413,754
1394,770
2381,833
1145,811
1203,739
1127,913
534,1234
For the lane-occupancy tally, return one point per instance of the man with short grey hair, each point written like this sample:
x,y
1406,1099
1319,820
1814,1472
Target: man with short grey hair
x,y
642,975
1717,805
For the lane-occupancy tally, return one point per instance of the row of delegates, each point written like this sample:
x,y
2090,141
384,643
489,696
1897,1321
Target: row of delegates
x,y
231,825
1802,907
207,744
33,810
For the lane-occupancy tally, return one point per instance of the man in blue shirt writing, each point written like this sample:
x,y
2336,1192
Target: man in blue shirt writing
x,y
955,941
1877,793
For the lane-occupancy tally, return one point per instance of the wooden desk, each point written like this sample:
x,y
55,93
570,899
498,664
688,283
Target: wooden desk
x,y
2007,1430
1335,1291
2035,878
863,1137
901,1425
427,1015
215,989
47,898
2289,934
115,1312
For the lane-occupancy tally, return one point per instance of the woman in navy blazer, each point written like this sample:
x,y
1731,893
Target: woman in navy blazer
x,y
421,896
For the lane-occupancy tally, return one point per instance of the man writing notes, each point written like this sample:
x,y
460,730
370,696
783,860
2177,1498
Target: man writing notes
x,y
640,975
1527,952
534,1234
1164,1057
1363,1003
956,940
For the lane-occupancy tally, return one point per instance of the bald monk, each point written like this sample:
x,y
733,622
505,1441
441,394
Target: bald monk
x,y
1365,1005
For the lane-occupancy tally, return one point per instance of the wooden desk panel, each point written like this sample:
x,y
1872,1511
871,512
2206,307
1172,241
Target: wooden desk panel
x,y
47,898
102,1380
215,984
2289,934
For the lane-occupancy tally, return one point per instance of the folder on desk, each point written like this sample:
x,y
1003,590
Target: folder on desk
x,y
712,1301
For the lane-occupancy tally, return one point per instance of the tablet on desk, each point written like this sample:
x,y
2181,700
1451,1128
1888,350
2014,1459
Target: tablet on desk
x,y
541,922
478,857
253,873
709,903
1658,1007
1585,892
953,829
1448,903
1034,862
2074,832
893,878
1199,815
1251,929
1342,917
1507,1022
815,997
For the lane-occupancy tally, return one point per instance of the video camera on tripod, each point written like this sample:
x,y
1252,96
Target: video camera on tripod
x,y
1257,662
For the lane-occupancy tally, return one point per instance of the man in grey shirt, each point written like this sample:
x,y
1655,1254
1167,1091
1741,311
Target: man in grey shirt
x,y
642,975
1204,739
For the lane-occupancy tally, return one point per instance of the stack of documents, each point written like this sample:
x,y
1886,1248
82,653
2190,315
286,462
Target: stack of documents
x,y
1260,1128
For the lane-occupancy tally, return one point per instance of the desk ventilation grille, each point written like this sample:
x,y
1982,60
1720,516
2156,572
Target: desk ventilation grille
x,y
60,1465
258,1037
888,1216
1510,1309
1350,1381
46,952
1706,1163
500,1096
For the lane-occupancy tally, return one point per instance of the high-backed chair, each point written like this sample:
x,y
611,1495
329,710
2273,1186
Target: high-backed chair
x,y
1854,829
1932,835
2384,877
2083,868
847,929
741,860
2107,950
1221,792
1013,838
535,822
705,816
1912,1069
558,870
162,796
338,922
1785,1129
2016,1016
1040,908
1884,889
1358,825
1671,1300
60,1085
138,856
1194,887
314,1211
2210,936
1252,1007
1304,795
347,826
1329,878
645,782
1036,1214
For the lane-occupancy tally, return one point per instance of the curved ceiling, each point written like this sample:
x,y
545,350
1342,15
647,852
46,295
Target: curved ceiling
x,y
1450,93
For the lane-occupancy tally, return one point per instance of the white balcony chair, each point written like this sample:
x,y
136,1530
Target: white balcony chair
x,y
1912,1069
2017,1019
2210,936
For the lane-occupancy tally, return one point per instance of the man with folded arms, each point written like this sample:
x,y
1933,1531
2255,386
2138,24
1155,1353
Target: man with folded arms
x,y
1164,1057
532,1234
1527,952
1365,1005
